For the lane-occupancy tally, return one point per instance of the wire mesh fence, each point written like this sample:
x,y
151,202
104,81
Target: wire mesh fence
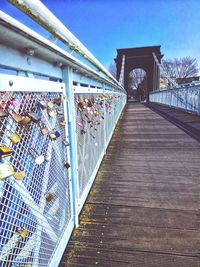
x,y
96,117
34,183
187,98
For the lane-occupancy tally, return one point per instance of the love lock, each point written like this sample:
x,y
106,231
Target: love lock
x,y
50,104
22,232
44,131
25,121
15,138
3,114
67,165
5,151
51,113
16,117
6,170
19,175
33,116
42,104
39,159
49,197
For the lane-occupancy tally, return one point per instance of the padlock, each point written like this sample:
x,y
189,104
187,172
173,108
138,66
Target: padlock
x,y
16,117
6,170
33,116
65,143
51,113
83,131
25,121
49,197
62,123
42,104
50,104
82,105
59,112
67,165
19,175
22,232
15,138
44,131
52,136
57,134
5,151
39,159
3,114
58,101
79,123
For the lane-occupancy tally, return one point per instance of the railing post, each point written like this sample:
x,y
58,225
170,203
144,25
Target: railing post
x,y
68,80
186,99
105,121
199,103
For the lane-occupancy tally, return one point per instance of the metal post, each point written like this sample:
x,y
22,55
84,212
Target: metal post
x,y
68,80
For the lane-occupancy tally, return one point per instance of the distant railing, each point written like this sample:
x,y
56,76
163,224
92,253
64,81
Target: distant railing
x,y
186,98
57,116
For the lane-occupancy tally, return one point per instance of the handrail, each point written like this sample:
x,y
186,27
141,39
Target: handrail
x,y
17,26
43,16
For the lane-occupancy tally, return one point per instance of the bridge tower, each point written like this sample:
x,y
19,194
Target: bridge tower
x,y
144,58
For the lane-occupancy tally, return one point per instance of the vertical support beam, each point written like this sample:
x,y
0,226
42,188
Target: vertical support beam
x,y
68,80
199,103
105,120
154,76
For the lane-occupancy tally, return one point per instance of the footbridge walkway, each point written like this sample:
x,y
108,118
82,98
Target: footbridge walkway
x,y
143,209
66,129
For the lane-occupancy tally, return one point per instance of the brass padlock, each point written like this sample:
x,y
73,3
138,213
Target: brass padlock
x,y
22,232
51,113
50,104
49,197
52,136
67,165
25,121
16,117
62,123
5,151
19,175
6,170
3,114
59,112
33,116
15,138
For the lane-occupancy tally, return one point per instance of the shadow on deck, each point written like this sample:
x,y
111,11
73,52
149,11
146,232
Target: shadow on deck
x,y
143,210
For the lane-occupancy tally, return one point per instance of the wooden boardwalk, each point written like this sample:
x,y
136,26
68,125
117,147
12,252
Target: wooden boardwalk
x,y
143,210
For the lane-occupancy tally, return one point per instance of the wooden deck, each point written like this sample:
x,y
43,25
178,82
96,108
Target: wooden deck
x,y
143,210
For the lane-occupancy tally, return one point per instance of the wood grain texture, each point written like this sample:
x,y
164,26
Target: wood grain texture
x,y
143,210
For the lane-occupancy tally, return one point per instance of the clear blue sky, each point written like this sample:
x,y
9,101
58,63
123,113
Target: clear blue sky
x,y
105,25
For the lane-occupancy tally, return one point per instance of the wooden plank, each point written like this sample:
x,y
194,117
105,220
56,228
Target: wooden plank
x,y
143,209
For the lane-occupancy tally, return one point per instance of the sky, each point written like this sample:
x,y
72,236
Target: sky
x,y
106,25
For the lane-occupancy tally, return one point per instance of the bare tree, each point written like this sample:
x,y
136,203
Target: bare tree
x,y
113,69
180,69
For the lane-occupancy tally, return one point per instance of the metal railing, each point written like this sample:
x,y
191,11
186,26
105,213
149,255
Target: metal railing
x,y
186,98
57,116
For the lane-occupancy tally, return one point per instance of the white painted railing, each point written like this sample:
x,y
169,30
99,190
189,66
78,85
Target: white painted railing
x,y
186,98
57,116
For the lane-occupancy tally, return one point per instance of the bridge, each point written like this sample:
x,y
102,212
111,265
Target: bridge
x,y
87,179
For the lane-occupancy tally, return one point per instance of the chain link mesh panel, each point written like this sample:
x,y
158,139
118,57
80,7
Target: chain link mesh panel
x,y
183,98
34,185
96,117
